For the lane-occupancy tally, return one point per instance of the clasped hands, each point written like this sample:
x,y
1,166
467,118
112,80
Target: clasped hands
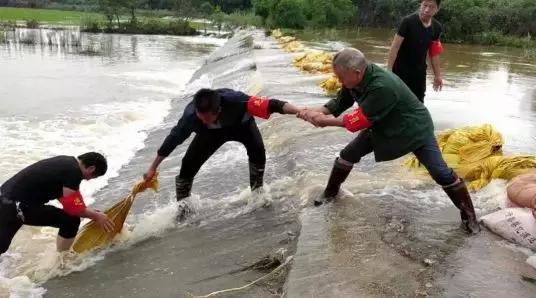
x,y
314,117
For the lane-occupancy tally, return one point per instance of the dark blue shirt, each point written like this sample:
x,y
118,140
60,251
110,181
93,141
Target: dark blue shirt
x,y
233,113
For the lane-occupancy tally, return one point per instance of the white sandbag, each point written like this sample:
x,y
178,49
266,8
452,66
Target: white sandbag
x,y
517,225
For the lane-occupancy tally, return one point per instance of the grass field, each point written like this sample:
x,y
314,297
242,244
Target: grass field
x,y
44,15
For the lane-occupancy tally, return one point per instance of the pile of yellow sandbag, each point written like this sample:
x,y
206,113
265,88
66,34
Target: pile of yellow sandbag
x,y
331,85
314,62
475,153
287,43
497,167
276,33
286,39
292,47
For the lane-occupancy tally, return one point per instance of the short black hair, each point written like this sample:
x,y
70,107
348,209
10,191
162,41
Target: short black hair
x,y
94,159
207,100
438,2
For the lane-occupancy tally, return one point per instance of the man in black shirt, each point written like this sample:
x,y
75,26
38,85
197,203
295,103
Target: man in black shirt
x,y
417,37
23,197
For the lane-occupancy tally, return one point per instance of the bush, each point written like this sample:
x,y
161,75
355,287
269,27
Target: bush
x,y
243,19
289,14
263,8
158,26
91,24
32,24
329,13
2,36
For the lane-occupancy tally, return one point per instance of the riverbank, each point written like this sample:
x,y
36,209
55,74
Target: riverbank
x,y
93,22
527,44
49,16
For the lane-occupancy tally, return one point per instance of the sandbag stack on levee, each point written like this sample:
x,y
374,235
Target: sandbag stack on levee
x,y
475,153
311,61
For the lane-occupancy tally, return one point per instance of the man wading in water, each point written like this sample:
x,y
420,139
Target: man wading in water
x,y
219,116
23,198
393,123
418,35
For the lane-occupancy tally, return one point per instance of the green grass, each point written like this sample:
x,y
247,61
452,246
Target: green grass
x,y
44,15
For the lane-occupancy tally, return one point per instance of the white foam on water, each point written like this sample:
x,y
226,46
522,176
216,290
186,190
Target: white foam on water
x,y
204,40
205,81
490,198
532,261
117,129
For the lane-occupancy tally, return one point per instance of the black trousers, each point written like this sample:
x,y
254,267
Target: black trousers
x,y
205,144
38,215
429,155
415,81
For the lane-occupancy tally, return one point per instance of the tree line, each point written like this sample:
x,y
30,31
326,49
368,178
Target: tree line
x,y
463,20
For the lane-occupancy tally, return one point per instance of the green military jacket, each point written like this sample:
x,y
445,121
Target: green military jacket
x,y
400,123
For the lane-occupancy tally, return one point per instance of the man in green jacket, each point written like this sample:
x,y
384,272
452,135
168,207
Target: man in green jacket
x,y
393,123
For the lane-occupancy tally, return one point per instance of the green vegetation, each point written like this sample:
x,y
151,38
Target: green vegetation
x,y
499,22
114,20
489,21
2,35
304,13
32,24
243,19
43,15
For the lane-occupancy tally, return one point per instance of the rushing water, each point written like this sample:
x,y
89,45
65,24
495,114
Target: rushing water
x,y
121,94
64,92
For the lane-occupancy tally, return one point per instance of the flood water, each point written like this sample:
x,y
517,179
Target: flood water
x,y
121,94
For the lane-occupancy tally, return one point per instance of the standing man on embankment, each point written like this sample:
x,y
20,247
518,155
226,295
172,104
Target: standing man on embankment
x,y
418,37
393,123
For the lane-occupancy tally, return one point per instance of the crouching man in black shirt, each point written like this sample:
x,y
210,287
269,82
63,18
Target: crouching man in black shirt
x,y
23,197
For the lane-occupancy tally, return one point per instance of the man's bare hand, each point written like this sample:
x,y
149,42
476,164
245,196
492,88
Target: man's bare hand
x,y
438,83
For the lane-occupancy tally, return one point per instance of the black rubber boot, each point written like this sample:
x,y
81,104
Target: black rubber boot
x,y
183,188
339,173
459,195
256,174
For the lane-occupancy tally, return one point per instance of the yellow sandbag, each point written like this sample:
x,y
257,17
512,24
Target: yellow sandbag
x,y
286,39
472,143
497,167
276,33
443,137
92,236
314,62
331,85
452,160
293,46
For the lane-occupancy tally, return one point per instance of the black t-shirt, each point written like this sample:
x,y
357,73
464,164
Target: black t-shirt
x,y
43,181
411,57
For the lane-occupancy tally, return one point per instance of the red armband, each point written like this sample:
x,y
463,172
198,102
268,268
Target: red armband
x,y
258,106
355,121
436,48
73,204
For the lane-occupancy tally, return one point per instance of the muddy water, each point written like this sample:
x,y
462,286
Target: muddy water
x,y
393,233
397,235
